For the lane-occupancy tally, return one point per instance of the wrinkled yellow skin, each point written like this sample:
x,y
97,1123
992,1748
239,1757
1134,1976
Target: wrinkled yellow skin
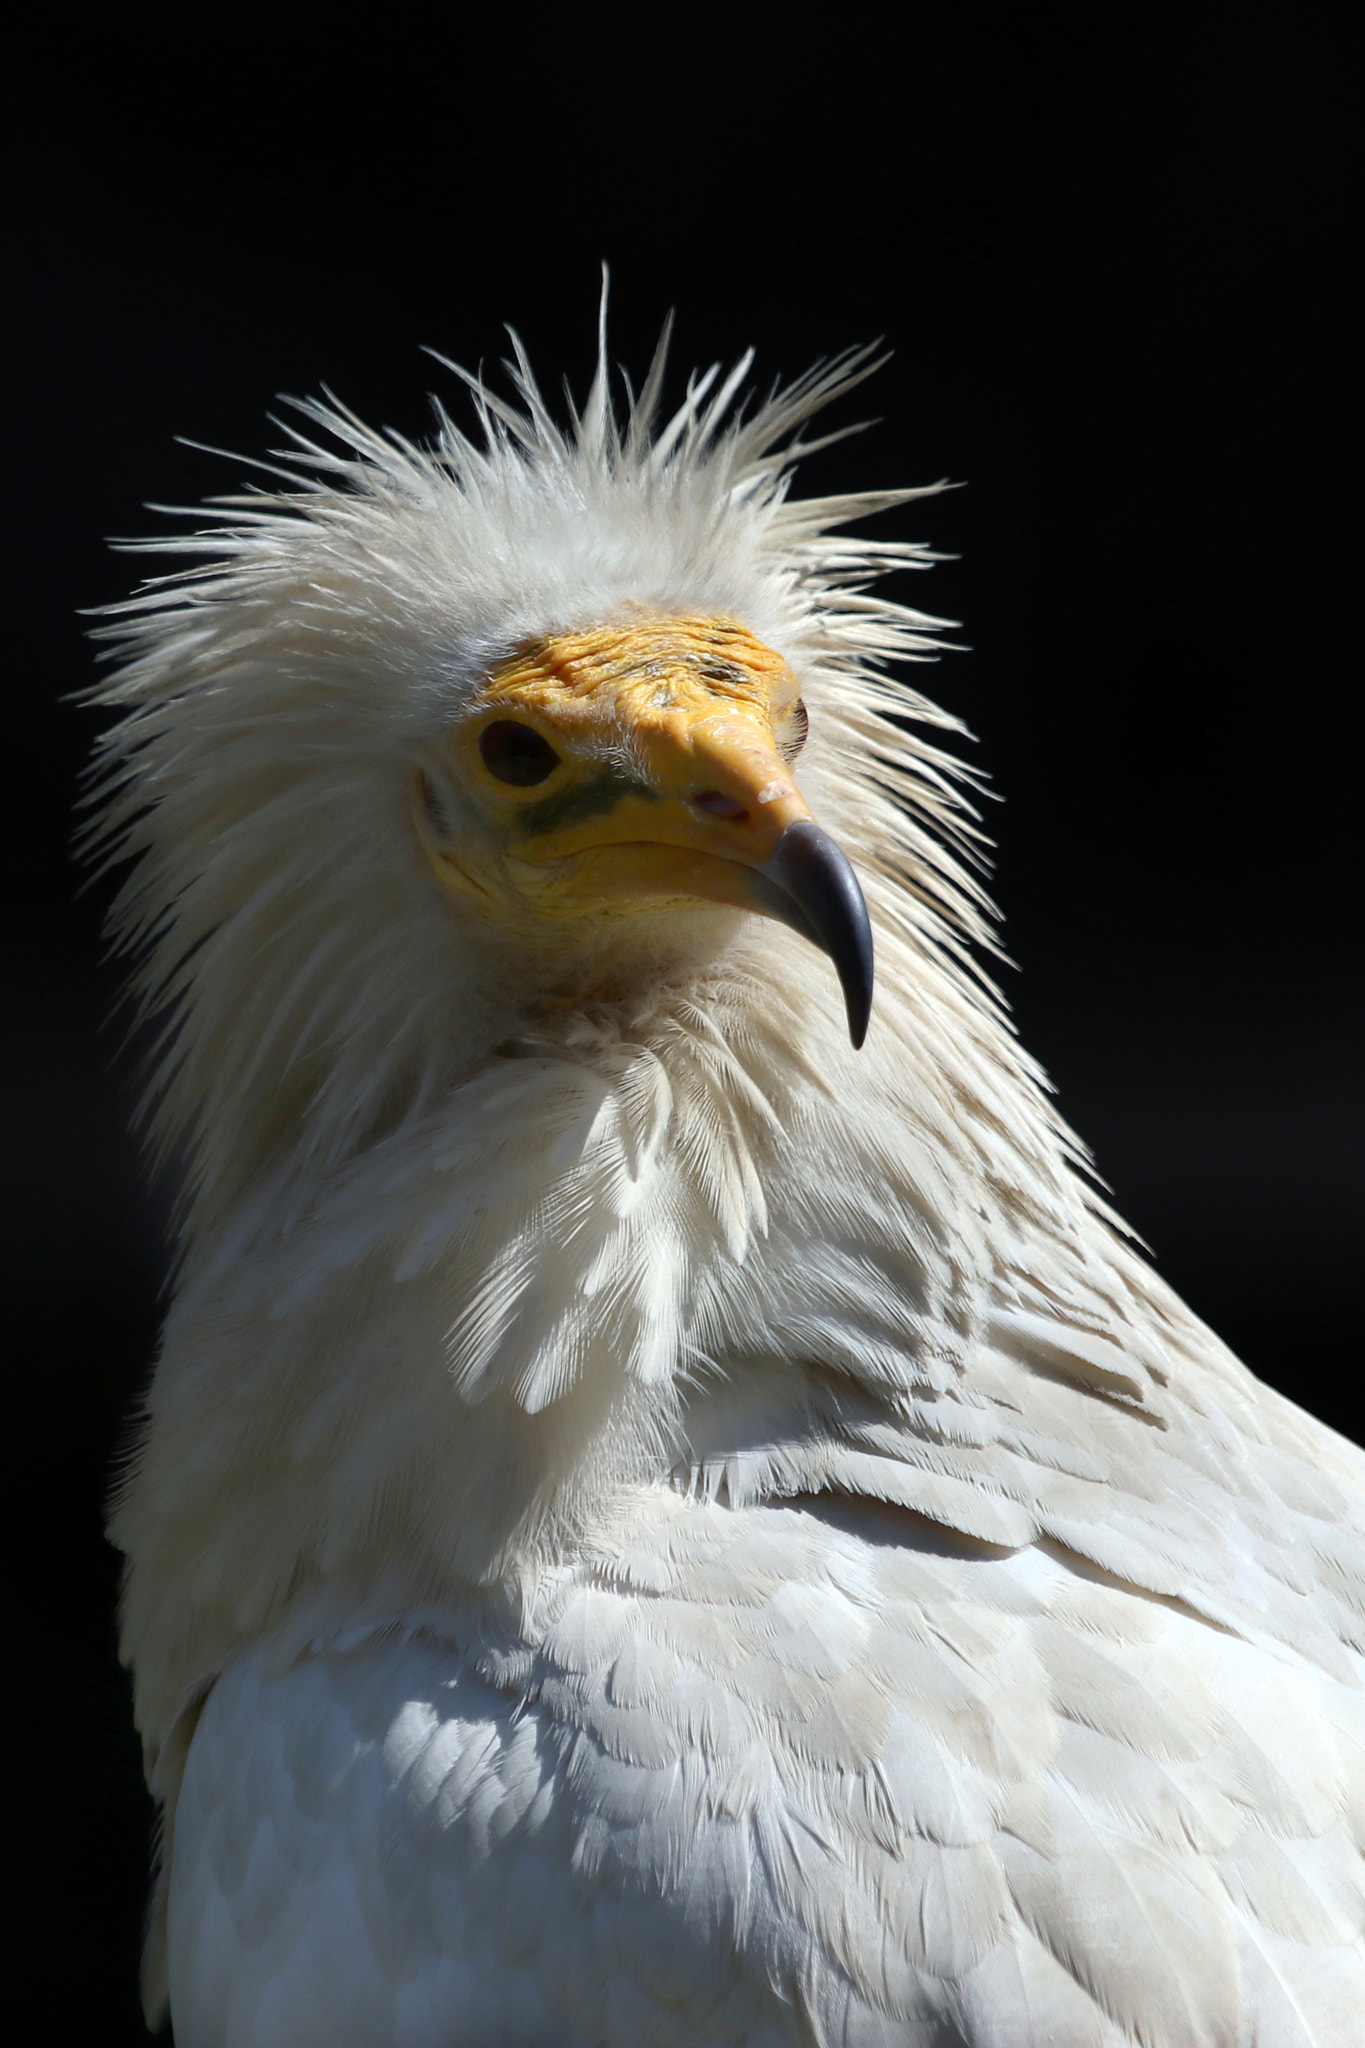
x,y
647,667
671,779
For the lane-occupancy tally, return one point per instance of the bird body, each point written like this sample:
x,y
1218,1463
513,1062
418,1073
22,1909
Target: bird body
x,y
652,1524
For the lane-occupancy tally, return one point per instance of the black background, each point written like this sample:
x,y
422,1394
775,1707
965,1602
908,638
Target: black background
x,y
1109,249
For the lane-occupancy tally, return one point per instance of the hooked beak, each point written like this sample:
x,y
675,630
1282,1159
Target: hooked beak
x,y
791,871
808,883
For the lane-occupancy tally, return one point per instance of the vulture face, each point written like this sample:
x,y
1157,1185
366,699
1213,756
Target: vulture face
x,y
601,782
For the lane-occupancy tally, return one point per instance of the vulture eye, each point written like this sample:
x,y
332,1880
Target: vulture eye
x,y
516,753
791,746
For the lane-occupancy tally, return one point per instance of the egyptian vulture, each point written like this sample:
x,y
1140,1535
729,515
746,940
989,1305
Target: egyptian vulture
x,y
657,1521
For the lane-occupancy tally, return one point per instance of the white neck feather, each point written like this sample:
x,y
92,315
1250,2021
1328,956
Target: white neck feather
x,y
622,1252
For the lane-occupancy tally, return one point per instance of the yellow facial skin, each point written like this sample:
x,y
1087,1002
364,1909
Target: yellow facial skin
x,y
670,738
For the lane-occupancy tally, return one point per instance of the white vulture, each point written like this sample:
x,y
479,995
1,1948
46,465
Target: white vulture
x,y
657,1523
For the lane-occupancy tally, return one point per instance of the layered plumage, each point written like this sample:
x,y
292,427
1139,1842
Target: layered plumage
x,y
652,1525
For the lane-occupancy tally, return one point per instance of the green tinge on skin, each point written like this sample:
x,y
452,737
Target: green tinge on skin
x,y
590,798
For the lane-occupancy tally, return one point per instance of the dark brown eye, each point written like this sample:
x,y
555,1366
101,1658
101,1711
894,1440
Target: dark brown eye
x,y
516,753
795,738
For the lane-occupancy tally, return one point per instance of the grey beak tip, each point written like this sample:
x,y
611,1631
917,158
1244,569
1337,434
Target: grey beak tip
x,y
817,894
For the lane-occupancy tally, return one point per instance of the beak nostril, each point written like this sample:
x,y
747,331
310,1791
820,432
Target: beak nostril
x,y
717,805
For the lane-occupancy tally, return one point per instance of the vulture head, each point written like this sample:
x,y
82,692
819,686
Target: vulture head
x,y
446,742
